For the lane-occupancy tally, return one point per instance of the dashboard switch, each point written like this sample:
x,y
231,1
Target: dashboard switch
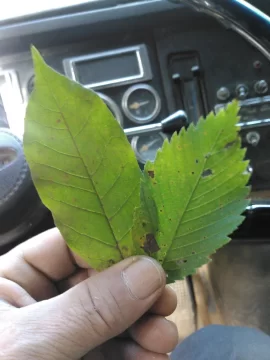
x,y
223,93
241,92
261,87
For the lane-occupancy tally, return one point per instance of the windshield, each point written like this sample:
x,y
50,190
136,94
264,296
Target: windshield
x,y
15,8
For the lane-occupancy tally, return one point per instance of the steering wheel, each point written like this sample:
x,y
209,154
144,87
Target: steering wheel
x,y
16,188
240,16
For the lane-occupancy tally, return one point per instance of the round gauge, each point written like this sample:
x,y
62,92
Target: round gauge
x,y
113,107
146,146
141,103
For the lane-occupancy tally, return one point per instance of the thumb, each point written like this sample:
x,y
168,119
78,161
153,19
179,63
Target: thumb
x,y
100,307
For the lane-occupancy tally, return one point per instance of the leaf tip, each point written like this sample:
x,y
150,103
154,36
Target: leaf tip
x,y
36,56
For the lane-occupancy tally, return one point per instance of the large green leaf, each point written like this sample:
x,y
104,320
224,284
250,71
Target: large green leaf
x,y
82,166
198,184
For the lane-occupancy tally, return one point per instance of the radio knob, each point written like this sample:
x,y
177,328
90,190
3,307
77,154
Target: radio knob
x,y
223,93
253,138
261,87
241,92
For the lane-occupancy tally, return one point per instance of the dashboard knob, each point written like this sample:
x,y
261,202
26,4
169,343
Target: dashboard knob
x,y
253,138
241,91
261,87
14,171
223,93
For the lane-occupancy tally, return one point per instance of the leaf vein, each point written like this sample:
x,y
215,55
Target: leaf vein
x,y
124,203
67,185
76,207
217,187
206,214
212,200
200,229
64,171
48,126
83,234
57,151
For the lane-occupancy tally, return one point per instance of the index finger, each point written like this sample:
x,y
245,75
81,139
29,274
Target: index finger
x,y
46,254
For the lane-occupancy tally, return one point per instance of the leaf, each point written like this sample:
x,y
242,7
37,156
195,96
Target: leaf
x,y
145,224
198,185
82,166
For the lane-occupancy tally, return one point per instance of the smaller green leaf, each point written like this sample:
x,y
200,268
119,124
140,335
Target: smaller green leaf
x,y
198,186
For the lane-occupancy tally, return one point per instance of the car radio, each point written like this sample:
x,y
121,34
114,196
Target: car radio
x,y
255,132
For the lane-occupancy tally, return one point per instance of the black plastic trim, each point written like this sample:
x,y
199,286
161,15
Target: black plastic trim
x,y
91,17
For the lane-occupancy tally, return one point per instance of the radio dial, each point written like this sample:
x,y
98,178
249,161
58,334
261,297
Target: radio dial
x,y
223,93
261,87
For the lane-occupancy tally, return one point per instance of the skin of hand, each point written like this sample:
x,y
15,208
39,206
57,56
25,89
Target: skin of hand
x,y
54,307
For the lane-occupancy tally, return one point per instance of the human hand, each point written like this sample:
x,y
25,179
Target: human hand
x,y
53,307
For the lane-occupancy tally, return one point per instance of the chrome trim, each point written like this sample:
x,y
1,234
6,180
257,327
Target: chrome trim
x,y
249,102
143,129
251,40
145,72
12,81
113,107
254,124
13,101
258,206
134,142
136,119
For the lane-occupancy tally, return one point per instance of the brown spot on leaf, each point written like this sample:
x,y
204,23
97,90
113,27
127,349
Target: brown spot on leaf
x,y
207,172
58,121
197,161
229,144
181,261
150,246
151,173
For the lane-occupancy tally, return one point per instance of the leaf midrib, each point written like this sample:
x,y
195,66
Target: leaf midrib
x,y
188,202
84,165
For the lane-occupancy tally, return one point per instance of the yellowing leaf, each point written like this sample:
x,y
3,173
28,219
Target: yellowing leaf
x,y
82,166
198,185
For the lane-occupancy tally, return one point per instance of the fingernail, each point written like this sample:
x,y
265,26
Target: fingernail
x,y
143,277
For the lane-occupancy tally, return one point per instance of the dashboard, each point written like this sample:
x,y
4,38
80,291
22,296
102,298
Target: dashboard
x,y
146,59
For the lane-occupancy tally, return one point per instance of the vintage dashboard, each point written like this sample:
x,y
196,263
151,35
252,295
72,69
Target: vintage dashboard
x,y
146,59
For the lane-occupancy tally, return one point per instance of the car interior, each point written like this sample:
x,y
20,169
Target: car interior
x,y
150,61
